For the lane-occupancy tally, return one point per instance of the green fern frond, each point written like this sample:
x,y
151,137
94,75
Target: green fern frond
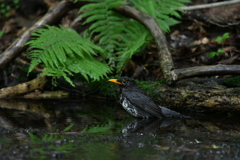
x,y
107,25
62,51
160,10
137,36
118,34
121,37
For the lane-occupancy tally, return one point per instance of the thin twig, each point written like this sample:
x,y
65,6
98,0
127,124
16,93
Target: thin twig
x,y
211,5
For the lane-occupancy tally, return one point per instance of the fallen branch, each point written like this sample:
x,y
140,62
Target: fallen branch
x,y
23,88
207,70
47,95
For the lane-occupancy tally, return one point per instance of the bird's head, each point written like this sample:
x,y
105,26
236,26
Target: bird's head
x,y
123,81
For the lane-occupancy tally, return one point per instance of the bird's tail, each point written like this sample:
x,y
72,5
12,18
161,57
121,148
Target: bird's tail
x,y
168,113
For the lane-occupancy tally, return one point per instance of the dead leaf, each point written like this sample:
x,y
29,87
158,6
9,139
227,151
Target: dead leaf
x,y
228,61
229,48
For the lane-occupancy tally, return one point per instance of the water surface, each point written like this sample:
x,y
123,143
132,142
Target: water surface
x,y
90,129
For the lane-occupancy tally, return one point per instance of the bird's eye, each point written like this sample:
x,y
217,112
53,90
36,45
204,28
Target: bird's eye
x,y
124,82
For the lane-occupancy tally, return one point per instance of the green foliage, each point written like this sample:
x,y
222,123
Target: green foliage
x,y
50,142
150,87
213,54
68,128
117,34
108,128
99,128
45,138
1,33
161,10
105,88
121,37
234,81
136,41
219,39
63,52
6,6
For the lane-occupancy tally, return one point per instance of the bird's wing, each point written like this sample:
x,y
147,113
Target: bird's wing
x,y
144,102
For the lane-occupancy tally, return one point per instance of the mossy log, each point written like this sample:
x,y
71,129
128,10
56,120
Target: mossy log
x,y
199,95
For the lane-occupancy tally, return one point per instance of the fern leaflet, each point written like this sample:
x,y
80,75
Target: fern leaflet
x,y
160,11
63,52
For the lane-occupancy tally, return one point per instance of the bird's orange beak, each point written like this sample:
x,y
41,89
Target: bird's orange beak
x,y
114,81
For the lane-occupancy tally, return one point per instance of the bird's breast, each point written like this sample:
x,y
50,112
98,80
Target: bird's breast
x,y
126,104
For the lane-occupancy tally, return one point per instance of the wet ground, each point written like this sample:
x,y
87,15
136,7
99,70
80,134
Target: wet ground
x,y
90,129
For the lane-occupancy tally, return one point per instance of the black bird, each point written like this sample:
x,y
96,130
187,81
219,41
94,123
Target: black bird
x,y
135,102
